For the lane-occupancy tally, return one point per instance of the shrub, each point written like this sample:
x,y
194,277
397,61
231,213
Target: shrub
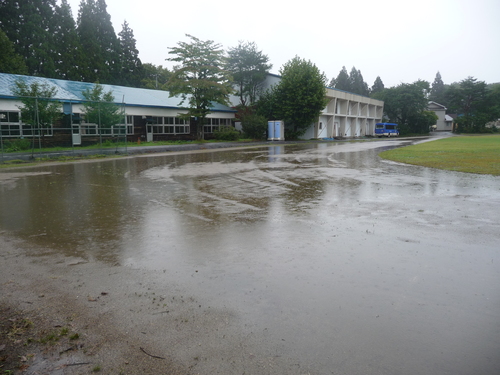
x,y
15,145
227,133
254,126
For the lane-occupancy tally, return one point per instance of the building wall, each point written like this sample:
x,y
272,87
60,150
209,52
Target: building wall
x,y
345,114
440,111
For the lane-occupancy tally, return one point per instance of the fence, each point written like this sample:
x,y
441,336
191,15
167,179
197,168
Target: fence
x,y
37,130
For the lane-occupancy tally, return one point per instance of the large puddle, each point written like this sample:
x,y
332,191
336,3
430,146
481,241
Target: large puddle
x,y
330,255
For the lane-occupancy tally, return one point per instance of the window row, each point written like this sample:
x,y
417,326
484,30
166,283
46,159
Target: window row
x,y
159,120
168,129
21,130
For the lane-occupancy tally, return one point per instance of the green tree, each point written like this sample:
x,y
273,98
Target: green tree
x,y
10,61
438,89
69,58
474,103
131,65
100,107
299,97
200,79
357,83
154,77
39,109
406,105
99,42
29,25
342,82
249,68
378,86
254,125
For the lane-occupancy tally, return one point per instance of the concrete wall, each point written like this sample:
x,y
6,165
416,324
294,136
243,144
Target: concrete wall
x,y
345,114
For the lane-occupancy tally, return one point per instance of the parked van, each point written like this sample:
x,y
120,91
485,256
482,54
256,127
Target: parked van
x,y
386,129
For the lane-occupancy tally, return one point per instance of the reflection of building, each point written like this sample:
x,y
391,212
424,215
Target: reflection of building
x,y
345,115
148,114
444,122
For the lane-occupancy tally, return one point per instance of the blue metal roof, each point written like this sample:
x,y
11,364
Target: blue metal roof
x,y
72,91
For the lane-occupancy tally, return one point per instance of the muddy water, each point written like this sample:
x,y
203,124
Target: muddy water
x,y
325,254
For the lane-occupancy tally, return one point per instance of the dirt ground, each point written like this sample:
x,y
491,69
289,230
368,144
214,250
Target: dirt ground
x,y
46,329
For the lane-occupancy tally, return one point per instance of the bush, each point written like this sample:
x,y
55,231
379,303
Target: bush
x,y
227,133
254,126
16,145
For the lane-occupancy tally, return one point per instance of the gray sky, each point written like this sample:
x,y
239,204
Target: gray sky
x,y
400,41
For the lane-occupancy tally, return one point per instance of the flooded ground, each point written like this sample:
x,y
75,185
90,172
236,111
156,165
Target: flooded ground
x,y
290,259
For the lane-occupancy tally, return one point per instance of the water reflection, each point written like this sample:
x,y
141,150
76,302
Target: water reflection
x,y
322,246
96,210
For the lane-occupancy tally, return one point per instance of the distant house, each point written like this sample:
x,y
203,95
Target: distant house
x,y
444,121
148,114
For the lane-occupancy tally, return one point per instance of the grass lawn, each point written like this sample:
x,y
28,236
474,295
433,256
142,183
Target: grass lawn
x,y
473,154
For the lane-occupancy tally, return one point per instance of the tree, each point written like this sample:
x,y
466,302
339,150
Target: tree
x,y
406,105
100,107
378,86
200,79
69,59
249,68
154,77
39,109
29,25
357,83
299,97
99,42
131,65
342,82
10,61
475,104
437,93
254,125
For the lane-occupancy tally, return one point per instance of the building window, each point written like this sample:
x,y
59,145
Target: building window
x,y
213,124
11,126
171,125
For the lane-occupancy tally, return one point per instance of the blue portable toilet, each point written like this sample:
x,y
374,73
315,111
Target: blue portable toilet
x,y
276,130
270,130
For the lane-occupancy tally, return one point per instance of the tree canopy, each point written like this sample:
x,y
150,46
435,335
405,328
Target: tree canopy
x,y
10,61
38,109
200,78
437,92
299,97
475,103
406,105
378,86
249,68
100,107
352,82
131,65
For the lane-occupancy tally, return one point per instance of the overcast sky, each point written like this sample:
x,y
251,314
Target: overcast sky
x,y
400,41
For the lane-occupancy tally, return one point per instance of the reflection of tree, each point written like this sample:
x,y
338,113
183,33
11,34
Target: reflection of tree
x,y
80,210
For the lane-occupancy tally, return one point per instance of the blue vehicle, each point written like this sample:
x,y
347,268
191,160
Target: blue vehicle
x,y
386,129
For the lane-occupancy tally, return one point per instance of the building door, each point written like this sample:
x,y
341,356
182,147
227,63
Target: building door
x,y
76,134
149,133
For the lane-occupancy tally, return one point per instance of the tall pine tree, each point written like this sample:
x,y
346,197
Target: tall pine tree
x,y
437,93
69,58
132,71
342,82
378,86
29,25
10,61
99,42
357,83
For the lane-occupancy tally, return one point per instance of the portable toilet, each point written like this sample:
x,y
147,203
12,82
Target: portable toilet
x,y
275,130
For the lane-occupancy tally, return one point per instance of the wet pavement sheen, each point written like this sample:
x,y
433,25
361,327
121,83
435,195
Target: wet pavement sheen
x,y
346,262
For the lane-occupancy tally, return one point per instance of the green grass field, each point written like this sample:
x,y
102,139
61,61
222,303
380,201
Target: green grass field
x,y
472,154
